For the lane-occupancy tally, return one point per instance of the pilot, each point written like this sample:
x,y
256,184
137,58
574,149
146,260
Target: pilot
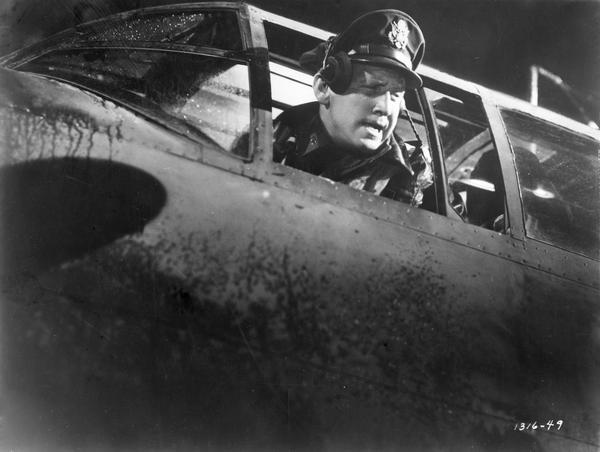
x,y
347,134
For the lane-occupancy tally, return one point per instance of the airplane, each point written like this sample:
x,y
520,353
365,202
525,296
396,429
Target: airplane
x,y
166,285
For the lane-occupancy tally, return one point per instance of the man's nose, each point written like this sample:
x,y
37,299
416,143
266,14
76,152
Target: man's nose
x,y
384,103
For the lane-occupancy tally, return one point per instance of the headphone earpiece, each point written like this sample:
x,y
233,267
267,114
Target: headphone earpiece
x,y
337,72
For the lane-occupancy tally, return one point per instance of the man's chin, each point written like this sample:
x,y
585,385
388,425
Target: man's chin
x,y
369,146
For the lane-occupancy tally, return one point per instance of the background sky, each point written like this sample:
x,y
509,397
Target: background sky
x,y
492,42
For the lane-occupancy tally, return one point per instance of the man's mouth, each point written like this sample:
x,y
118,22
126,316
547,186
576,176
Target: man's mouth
x,y
375,128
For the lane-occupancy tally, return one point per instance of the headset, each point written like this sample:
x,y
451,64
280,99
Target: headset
x,y
336,69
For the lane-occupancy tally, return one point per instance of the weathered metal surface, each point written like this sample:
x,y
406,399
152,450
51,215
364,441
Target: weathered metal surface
x,y
150,301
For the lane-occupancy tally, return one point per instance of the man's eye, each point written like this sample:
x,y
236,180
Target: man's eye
x,y
372,88
398,96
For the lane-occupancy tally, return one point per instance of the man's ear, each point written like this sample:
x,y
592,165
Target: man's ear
x,y
321,90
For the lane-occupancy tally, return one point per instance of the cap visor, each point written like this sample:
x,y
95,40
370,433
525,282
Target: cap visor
x,y
412,78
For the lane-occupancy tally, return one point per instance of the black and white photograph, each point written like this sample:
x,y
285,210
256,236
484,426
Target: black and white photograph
x,y
293,225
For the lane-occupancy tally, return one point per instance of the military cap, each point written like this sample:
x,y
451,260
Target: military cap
x,y
385,37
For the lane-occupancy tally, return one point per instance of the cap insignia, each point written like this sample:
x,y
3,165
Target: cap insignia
x,y
398,35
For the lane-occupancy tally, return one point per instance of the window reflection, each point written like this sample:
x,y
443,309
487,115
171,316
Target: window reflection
x,y
558,177
208,94
218,29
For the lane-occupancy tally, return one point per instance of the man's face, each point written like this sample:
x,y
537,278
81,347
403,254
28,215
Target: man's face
x,y
364,116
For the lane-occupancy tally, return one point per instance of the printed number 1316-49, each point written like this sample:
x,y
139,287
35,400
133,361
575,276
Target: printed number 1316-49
x,y
534,425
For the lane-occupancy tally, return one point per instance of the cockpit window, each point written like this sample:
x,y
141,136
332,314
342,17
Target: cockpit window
x,y
170,66
287,45
218,29
208,97
289,87
558,177
471,161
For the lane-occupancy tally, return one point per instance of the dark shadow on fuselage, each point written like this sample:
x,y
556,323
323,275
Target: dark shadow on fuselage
x,y
60,209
